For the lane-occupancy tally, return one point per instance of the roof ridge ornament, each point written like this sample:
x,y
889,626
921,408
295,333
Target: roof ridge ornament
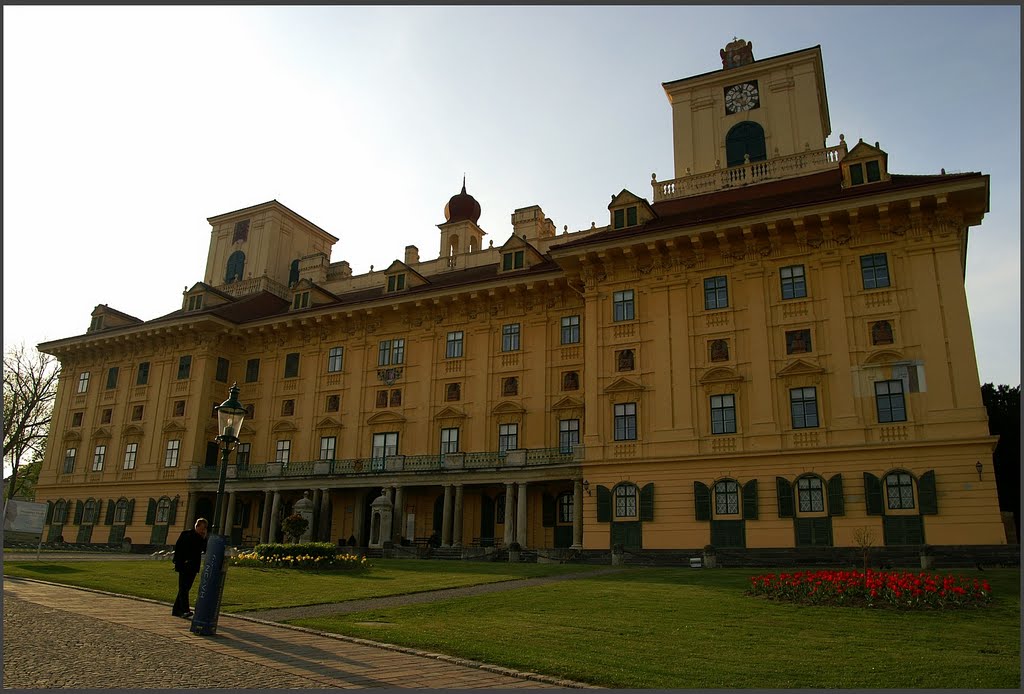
x,y
737,53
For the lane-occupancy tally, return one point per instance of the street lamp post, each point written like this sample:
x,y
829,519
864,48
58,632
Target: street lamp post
x,y
230,415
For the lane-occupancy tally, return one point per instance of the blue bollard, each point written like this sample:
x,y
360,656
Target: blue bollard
x,y
211,587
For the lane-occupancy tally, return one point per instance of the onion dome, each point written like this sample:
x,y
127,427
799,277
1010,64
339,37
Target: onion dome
x,y
462,207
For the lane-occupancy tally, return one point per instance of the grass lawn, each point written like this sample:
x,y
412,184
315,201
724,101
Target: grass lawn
x,y
257,589
679,628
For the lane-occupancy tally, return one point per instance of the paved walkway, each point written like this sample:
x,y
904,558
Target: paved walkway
x,y
58,636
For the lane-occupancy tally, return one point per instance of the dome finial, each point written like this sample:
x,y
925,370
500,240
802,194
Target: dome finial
x,y
463,182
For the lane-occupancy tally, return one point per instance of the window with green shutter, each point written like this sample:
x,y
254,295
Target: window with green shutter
x,y
784,495
604,504
111,507
902,530
79,511
872,495
701,501
647,502
836,503
926,494
151,512
547,510
813,532
750,500
730,533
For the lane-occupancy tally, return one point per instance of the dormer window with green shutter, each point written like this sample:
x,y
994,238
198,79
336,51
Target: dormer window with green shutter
x,y
301,300
513,260
625,217
195,302
396,282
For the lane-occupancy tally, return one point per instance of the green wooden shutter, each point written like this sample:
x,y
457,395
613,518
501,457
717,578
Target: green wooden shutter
x,y
647,502
98,512
804,531
547,511
111,507
49,511
604,504
151,512
872,495
750,500
172,517
926,490
131,512
79,510
836,505
245,515
701,501
784,492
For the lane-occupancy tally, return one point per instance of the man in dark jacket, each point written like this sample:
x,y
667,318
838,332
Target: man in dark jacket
x,y
188,553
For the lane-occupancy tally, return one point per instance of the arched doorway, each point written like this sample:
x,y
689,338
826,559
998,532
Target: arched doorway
x,y
746,138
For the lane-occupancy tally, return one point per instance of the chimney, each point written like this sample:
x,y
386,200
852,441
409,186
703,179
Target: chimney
x,y
412,255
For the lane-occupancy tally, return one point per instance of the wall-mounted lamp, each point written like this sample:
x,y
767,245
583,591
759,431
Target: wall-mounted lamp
x,y
586,487
977,466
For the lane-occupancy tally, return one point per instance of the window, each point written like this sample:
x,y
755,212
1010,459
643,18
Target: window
x,y
222,370
723,414
287,408
798,341
179,408
131,452
510,337
382,398
195,302
301,300
510,386
625,501
810,494
899,488
184,367
889,401
291,365
163,510
873,171
106,416
719,350
83,381
625,421
396,397
334,358
745,142
727,497
327,447
568,434
96,323
624,217
137,411
293,272
803,405
874,270
284,451
856,174
241,231
450,440
512,261
385,444
142,376
69,460
508,437
235,268
794,284
499,509
121,511
250,411
391,352
716,292
453,347
252,370
565,506
453,392
624,360
881,333
333,403
622,305
90,512
112,377
76,418
396,283
171,454
571,380
242,454
570,330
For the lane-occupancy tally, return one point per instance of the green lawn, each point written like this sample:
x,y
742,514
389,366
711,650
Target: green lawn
x,y
257,589
679,628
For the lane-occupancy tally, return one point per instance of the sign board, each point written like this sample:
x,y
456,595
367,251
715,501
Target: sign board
x,y
24,520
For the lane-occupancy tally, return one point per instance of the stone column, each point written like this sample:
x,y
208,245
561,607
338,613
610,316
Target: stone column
x,y
229,517
577,515
190,512
398,520
357,520
274,508
446,523
521,515
457,519
510,502
324,524
265,528
314,527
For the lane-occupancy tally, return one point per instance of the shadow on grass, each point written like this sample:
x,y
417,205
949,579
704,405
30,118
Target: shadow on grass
x,y
48,569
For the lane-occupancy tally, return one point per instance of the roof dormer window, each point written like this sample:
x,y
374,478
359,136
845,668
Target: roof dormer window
x,y
870,170
396,282
513,260
195,302
301,300
864,164
625,217
96,323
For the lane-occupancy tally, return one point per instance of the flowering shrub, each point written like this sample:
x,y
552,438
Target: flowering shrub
x,y
309,555
904,590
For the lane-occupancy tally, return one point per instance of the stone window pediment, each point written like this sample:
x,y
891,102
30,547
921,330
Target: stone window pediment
x,y
883,356
798,367
508,408
172,427
568,403
721,374
450,413
385,418
620,385
328,423
284,426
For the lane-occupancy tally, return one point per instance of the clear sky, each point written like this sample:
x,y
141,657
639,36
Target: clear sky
x,y
126,127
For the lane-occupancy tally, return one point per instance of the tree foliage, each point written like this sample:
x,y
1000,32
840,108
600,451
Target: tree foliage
x,y
30,388
1003,405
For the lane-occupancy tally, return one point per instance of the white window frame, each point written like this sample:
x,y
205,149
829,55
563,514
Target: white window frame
x,y
131,454
171,452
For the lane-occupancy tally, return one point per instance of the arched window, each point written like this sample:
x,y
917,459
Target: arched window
x,y
745,139
881,333
121,511
163,510
60,512
453,244
899,489
236,266
719,350
293,272
810,494
91,511
565,502
571,380
625,501
727,497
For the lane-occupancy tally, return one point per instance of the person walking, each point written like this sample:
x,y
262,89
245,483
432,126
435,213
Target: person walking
x,y
188,553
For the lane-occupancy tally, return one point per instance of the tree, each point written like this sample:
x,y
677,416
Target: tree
x,y
30,388
1003,405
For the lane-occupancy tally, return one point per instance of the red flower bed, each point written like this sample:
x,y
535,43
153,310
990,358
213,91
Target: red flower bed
x,y
903,590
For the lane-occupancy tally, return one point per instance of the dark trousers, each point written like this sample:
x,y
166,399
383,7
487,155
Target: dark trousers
x,y
185,581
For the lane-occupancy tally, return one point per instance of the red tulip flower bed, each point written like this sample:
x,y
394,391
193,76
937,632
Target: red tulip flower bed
x,y
902,590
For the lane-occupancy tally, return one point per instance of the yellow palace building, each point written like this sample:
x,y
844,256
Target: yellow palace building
x,y
769,352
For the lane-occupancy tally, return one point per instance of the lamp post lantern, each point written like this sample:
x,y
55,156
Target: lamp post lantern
x,y
230,415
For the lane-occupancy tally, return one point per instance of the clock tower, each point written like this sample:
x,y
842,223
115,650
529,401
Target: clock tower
x,y
748,111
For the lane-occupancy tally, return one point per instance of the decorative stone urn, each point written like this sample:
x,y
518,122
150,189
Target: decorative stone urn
x,y
304,507
381,513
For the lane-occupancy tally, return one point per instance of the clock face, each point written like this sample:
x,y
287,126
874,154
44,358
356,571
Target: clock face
x,y
741,97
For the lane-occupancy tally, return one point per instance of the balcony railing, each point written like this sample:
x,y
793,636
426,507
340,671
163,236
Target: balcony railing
x,y
789,166
533,457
